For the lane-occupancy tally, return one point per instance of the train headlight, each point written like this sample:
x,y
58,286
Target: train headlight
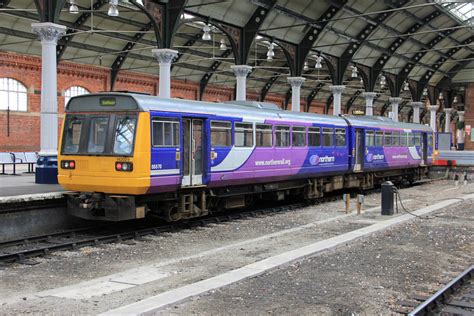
x,y
123,166
68,164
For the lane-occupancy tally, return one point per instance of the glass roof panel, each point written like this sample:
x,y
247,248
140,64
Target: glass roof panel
x,y
462,10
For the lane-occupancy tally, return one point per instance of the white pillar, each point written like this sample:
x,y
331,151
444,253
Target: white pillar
x,y
460,132
165,56
241,72
337,97
296,83
369,102
433,109
416,111
447,120
394,102
49,34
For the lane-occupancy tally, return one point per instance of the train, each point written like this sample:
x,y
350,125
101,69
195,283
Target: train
x,y
125,156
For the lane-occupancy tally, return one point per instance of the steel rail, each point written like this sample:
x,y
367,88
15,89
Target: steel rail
x,y
440,297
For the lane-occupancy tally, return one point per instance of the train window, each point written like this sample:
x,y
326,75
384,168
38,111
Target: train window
x,y
369,138
430,140
379,139
97,134
165,133
314,137
298,137
396,139
387,139
243,135
72,134
124,135
403,139
328,137
417,139
264,135
411,140
282,136
221,134
340,137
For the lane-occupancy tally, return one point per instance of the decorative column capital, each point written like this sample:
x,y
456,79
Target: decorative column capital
x,y
433,107
337,89
395,100
164,55
48,32
296,81
241,70
448,110
369,95
461,116
416,104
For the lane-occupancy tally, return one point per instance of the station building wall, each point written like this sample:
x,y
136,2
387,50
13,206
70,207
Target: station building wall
x,y
469,116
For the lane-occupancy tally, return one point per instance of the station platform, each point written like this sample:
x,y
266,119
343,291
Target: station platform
x,y
317,259
24,184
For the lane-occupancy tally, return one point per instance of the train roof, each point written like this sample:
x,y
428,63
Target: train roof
x,y
248,110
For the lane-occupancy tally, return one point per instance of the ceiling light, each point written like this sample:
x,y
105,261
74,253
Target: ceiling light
x,y
455,100
361,80
354,73
113,9
270,53
406,86
441,96
425,91
73,9
206,36
383,80
319,61
223,46
305,67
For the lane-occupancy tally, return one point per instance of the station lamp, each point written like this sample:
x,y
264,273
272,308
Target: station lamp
x,y
113,8
223,45
354,73
206,35
73,9
305,67
406,86
318,64
270,53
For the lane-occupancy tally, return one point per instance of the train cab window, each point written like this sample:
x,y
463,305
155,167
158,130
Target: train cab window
x,y
379,139
97,135
298,137
221,134
340,137
411,140
396,139
403,139
165,133
282,136
369,138
124,135
387,139
417,139
72,134
243,134
314,136
264,135
328,137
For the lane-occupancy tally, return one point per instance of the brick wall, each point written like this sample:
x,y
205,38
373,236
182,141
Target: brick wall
x,y
24,127
469,115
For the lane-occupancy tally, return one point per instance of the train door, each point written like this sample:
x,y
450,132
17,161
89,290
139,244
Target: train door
x,y
192,133
359,148
424,148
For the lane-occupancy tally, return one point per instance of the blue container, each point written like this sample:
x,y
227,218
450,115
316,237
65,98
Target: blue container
x,y
47,170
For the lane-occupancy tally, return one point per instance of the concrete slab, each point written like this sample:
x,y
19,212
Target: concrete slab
x,y
153,304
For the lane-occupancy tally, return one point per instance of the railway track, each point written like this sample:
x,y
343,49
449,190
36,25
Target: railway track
x,y
455,298
23,250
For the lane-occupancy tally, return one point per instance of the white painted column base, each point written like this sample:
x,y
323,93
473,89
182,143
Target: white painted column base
x,y
164,56
369,102
416,111
337,97
394,102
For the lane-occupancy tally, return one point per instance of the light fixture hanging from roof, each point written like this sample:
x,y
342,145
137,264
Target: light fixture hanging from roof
x,y
73,9
113,8
361,80
206,35
455,100
354,73
223,45
319,61
441,96
270,53
383,81
305,67
406,86
425,91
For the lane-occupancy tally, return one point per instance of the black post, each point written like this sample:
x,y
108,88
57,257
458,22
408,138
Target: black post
x,y
8,121
387,198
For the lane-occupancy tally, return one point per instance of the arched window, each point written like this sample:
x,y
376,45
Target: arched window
x,y
13,95
74,91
